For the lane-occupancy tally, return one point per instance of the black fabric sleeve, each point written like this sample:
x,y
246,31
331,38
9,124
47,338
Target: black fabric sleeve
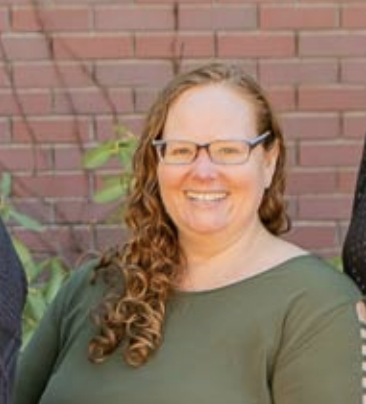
x,y
13,290
354,248
39,359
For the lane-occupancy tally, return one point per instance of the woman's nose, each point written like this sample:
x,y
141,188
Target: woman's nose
x,y
203,167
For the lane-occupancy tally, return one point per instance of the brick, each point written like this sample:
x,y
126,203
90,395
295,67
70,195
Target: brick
x,y
68,158
297,125
258,44
334,207
291,206
4,76
328,154
92,47
51,75
94,101
93,2
12,2
21,47
282,98
106,127
39,210
347,179
217,17
332,44
353,70
4,131
291,154
315,236
197,2
311,181
335,98
156,45
353,16
248,65
51,130
54,186
4,20
26,159
343,229
145,98
32,103
70,212
137,18
297,16
108,236
333,1
297,71
133,73
354,124
50,19
69,242
252,1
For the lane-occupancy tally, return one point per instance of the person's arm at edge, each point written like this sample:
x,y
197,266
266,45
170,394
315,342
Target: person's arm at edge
x,y
36,363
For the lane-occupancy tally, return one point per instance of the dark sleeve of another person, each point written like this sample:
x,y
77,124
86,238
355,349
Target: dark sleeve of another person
x,y
13,290
354,248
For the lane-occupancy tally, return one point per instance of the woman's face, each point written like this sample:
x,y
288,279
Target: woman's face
x,y
203,197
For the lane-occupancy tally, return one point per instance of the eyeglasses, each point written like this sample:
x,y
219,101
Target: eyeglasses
x,y
220,151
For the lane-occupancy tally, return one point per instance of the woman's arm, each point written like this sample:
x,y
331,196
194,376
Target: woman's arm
x,y
321,361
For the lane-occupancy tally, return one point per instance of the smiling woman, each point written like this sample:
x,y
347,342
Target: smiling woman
x,y
205,303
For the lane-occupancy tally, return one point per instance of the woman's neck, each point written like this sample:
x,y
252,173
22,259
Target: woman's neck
x,y
213,261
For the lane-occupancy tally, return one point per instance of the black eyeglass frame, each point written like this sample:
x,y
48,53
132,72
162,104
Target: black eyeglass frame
x,y
252,143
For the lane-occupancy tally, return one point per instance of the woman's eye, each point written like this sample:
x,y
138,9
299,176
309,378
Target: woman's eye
x,y
180,151
229,150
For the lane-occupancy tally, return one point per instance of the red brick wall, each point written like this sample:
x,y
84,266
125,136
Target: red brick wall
x,y
68,68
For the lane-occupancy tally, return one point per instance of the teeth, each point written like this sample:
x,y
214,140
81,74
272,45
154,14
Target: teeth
x,y
206,196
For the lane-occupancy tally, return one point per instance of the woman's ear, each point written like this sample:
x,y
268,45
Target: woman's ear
x,y
270,161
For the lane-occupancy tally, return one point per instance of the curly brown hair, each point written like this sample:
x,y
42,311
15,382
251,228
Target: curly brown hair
x,y
142,275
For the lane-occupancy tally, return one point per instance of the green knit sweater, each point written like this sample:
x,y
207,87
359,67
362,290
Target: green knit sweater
x,y
289,335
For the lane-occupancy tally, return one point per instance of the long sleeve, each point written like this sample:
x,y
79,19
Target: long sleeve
x,y
42,355
13,290
354,248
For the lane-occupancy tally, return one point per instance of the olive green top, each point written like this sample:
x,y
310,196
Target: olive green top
x,y
289,335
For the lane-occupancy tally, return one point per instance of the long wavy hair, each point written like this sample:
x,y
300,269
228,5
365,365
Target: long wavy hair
x,y
141,276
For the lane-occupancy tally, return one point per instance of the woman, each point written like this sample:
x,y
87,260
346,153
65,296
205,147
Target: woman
x,y
13,290
354,249
204,303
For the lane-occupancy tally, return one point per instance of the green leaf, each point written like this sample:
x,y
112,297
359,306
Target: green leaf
x,y
37,304
99,155
5,211
112,190
336,262
121,130
25,221
32,270
55,281
126,150
26,337
5,184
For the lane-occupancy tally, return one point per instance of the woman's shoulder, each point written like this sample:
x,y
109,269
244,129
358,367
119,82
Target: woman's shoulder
x,y
319,280
78,286
81,275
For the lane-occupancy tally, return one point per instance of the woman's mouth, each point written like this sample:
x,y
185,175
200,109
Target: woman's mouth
x,y
206,196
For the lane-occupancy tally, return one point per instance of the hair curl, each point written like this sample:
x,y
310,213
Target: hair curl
x,y
142,275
